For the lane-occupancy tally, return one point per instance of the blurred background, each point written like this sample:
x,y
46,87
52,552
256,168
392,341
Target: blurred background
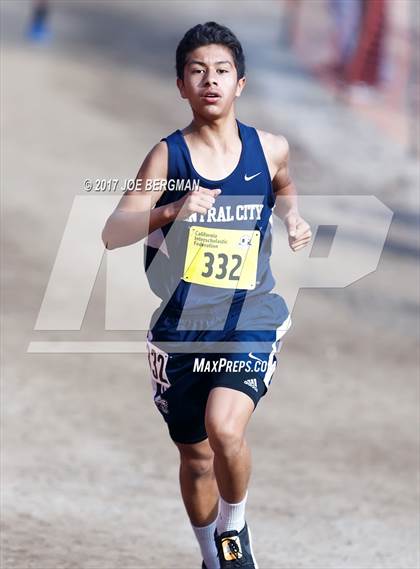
x,y
90,477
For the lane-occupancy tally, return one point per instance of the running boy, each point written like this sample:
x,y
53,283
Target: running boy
x,y
207,258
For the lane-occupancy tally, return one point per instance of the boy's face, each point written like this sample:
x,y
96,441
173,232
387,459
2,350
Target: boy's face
x,y
210,81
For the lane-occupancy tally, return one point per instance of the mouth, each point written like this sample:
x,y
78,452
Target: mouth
x,y
211,97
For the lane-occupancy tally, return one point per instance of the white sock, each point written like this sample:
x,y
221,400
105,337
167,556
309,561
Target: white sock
x,y
205,538
231,516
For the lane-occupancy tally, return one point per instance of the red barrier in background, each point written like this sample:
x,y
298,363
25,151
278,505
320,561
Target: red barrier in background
x,y
378,77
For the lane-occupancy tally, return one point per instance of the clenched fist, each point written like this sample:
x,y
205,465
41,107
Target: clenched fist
x,y
196,201
298,230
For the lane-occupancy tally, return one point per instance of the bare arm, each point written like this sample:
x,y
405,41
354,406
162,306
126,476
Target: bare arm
x,y
284,188
136,215
276,150
133,219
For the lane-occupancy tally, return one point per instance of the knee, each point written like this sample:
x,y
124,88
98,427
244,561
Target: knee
x,y
224,438
197,466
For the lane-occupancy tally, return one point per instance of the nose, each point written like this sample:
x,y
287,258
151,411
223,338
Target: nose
x,y
210,78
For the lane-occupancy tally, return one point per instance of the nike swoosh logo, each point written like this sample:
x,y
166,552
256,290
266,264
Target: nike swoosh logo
x,y
248,178
251,355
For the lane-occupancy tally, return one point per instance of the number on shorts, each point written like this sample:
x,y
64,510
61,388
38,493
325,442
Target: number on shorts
x,y
157,362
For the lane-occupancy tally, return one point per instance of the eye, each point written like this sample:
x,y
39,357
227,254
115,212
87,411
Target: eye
x,y
195,71
222,71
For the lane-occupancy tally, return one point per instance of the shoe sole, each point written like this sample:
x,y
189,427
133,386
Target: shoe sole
x,y
250,547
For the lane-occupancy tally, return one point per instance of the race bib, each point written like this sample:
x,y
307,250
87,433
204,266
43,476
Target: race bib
x,y
225,258
158,360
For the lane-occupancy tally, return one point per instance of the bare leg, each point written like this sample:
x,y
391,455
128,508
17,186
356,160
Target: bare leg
x,y
227,414
198,483
234,471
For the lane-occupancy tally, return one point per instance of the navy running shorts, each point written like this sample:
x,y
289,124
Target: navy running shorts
x,y
189,355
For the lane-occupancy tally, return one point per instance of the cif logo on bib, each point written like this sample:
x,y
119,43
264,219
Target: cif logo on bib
x,y
224,258
245,241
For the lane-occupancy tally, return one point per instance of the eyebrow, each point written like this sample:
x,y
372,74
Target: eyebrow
x,y
195,61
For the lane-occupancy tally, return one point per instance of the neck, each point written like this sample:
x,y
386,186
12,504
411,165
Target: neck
x,y
222,130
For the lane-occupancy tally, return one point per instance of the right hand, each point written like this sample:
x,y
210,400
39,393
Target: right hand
x,y
196,201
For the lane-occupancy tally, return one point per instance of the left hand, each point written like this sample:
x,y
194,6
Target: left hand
x,y
298,231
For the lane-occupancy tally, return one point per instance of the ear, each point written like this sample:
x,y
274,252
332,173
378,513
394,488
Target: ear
x,y
181,87
240,86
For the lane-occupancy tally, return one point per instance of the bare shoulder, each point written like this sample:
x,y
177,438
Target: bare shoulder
x,y
154,167
157,157
155,164
276,149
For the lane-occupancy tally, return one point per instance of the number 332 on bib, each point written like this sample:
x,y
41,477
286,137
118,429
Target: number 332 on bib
x,y
225,258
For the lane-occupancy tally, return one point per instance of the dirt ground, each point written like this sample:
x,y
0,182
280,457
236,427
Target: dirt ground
x,y
89,475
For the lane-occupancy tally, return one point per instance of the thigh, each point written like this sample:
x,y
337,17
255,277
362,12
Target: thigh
x,y
228,411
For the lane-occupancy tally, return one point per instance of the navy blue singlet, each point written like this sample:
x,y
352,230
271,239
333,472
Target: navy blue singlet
x,y
245,203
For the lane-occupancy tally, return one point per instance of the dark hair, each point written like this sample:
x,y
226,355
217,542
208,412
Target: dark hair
x,y
206,34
